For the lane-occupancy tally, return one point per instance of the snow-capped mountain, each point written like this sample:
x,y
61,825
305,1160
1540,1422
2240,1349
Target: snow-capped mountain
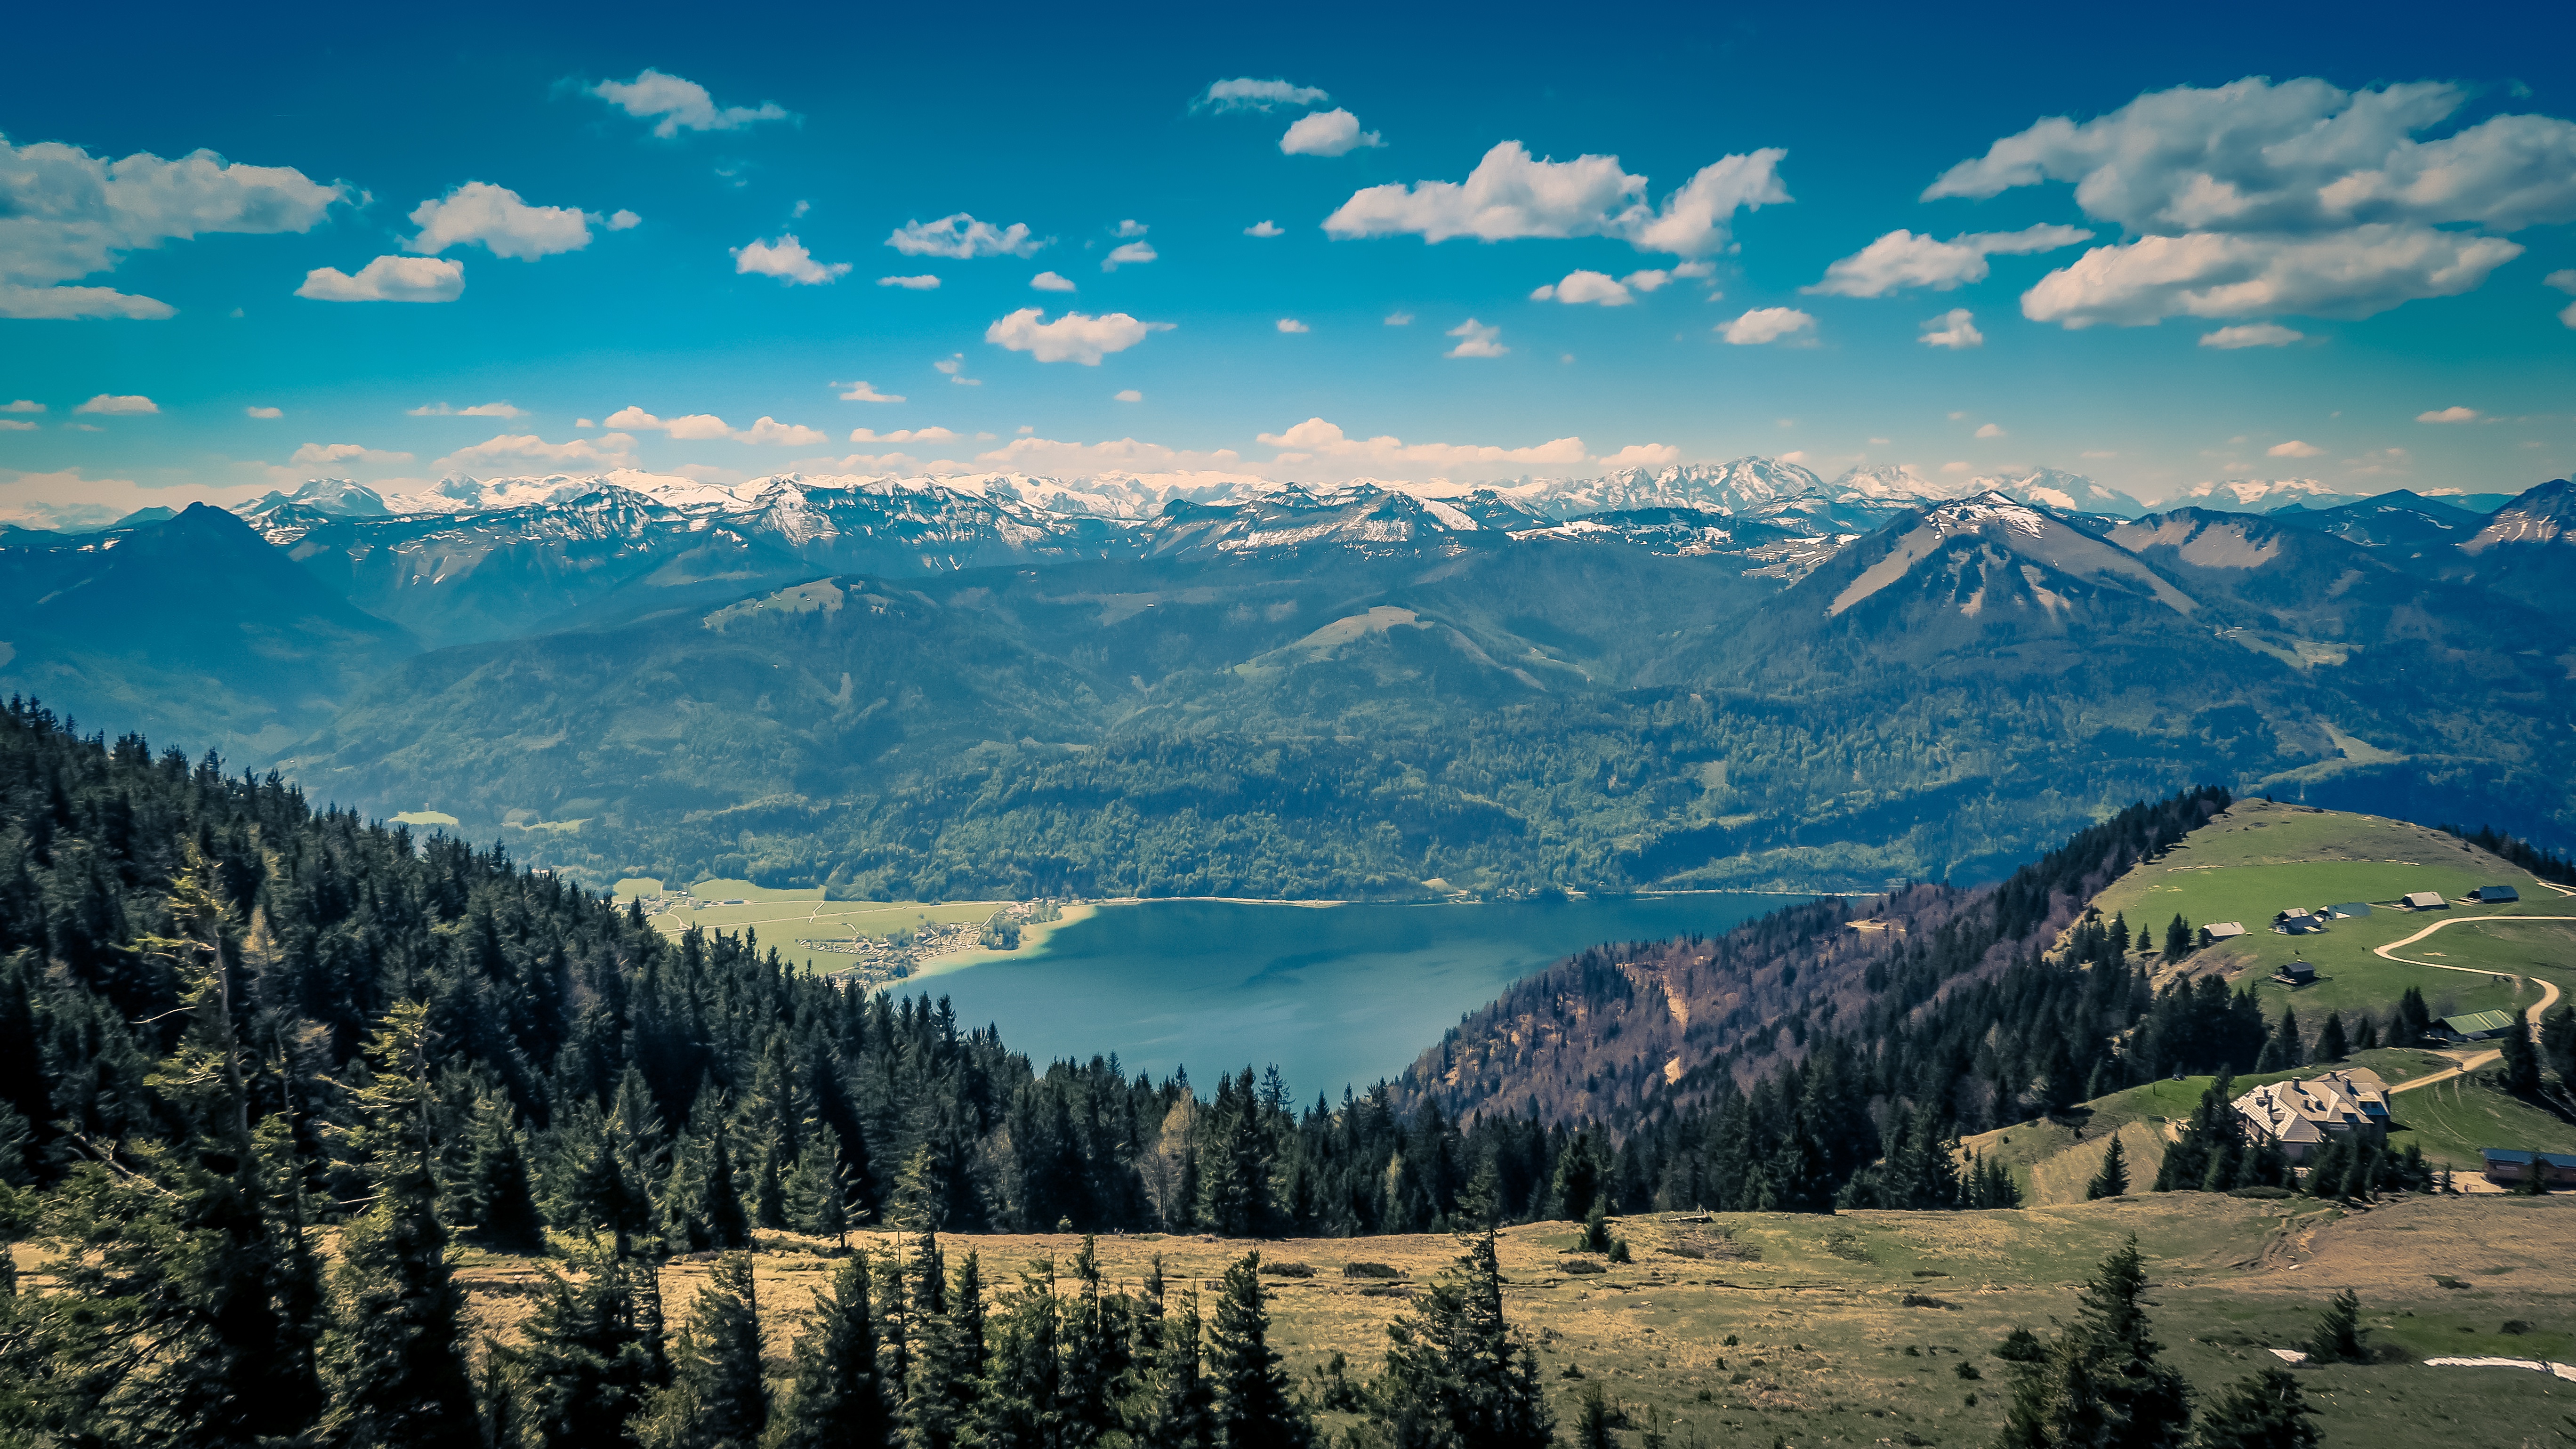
x,y
2252,495
2066,492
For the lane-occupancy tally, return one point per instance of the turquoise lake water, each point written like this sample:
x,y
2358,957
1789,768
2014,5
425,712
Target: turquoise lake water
x,y
1333,995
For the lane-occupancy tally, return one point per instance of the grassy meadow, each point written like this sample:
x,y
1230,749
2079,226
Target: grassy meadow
x,y
789,919
1856,1328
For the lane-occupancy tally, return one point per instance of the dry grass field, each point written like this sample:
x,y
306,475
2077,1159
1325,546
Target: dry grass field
x,y
1862,1328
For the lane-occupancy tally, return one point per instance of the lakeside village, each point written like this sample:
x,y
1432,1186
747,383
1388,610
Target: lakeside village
x,y
884,960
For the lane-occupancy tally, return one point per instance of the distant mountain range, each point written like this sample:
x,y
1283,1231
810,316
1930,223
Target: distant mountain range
x,y
1733,675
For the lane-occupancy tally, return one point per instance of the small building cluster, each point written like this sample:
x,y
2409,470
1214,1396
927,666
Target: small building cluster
x,y
2302,1116
2475,1026
2512,1167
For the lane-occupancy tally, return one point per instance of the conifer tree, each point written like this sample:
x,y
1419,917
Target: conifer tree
x,y
1091,1369
2177,938
949,1349
494,1195
2558,1046
395,1366
2101,1384
1253,1407
2520,1073
816,1198
2365,1036
2339,1336
1454,1378
1182,1412
2113,1179
1022,1404
895,1334
590,1358
2264,1410
838,1402
717,1398
1594,1419
2331,1046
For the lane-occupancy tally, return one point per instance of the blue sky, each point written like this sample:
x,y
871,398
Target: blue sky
x,y
2373,214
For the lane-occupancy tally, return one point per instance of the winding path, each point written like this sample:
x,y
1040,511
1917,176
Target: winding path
x,y
2533,1014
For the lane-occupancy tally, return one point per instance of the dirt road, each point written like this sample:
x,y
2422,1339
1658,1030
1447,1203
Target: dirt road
x,y
2533,1014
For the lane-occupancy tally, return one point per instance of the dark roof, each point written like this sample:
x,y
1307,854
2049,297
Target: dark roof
x,y
2516,1154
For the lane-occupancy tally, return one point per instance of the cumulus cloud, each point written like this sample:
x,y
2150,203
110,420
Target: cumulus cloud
x,y
1265,228
1132,254
1767,324
1399,319
22,405
1643,455
675,105
388,279
1475,339
2299,196
1073,337
866,392
964,238
1955,329
1050,282
324,455
1990,430
771,430
1131,227
16,425
1316,440
2450,415
1247,94
1291,324
119,405
954,368
479,410
1127,394
922,283
608,450
2252,334
1511,194
1326,133
1651,278
495,217
1902,259
67,500
905,435
787,260
2564,281
66,214
263,413
1579,287
701,427
2293,449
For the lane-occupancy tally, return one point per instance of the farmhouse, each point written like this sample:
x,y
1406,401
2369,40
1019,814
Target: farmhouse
x,y
2305,923
2295,973
2476,1026
2425,901
2221,931
2303,1116
2496,895
2510,1166
2349,910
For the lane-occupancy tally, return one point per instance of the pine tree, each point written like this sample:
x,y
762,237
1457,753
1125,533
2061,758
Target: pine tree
x,y
1594,1419
2331,1046
717,1398
1090,1367
2365,1037
839,1401
498,1205
1182,1413
1022,1404
816,1199
395,1367
2558,1046
2339,1335
949,1349
2101,1384
1454,1378
2520,1073
2265,1410
2113,1179
590,1357
2177,939
1253,1406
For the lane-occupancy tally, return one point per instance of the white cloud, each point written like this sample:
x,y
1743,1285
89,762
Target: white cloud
x,y
265,413
1073,337
479,410
66,214
1650,278
1050,282
1475,339
1131,227
2300,197
1291,324
1246,94
1265,228
1902,259
2293,449
954,367
15,425
1695,269
2450,415
1989,430
608,450
866,392
65,499
2564,281
1580,287
584,423
675,105
1957,465
1955,329
1127,395
2252,334
22,405
1767,324
1511,194
495,216
1399,319
324,455
1133,253
119,405
1316,440
905,435
1326,133
701,427
623,220
964,238
388,279
922,283
786,259
1643,455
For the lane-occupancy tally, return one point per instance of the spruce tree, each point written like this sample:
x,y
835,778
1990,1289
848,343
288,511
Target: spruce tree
x,y
816,1199
717,1398
2265,1410
2331,1046
1022,1404
2339,1335
1454,1378
498,1204
590,1357
1090,1358
2177,938
1182,1411
1254,1409
1594,1419
2101,1384
838,1402
2113,1179
2520,1073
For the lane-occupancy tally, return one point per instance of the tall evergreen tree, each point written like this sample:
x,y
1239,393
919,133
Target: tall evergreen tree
x,y
2331,1046
838,1402
2520,1073
494,1197
717,1398
1454,1378
2113,1179
1254,1409
2101,1385
2339,1337
1182,1411
1022,1405
2264,1410
590,1357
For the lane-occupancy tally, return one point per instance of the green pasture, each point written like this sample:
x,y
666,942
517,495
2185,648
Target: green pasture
x,y
2451,1121
787,919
